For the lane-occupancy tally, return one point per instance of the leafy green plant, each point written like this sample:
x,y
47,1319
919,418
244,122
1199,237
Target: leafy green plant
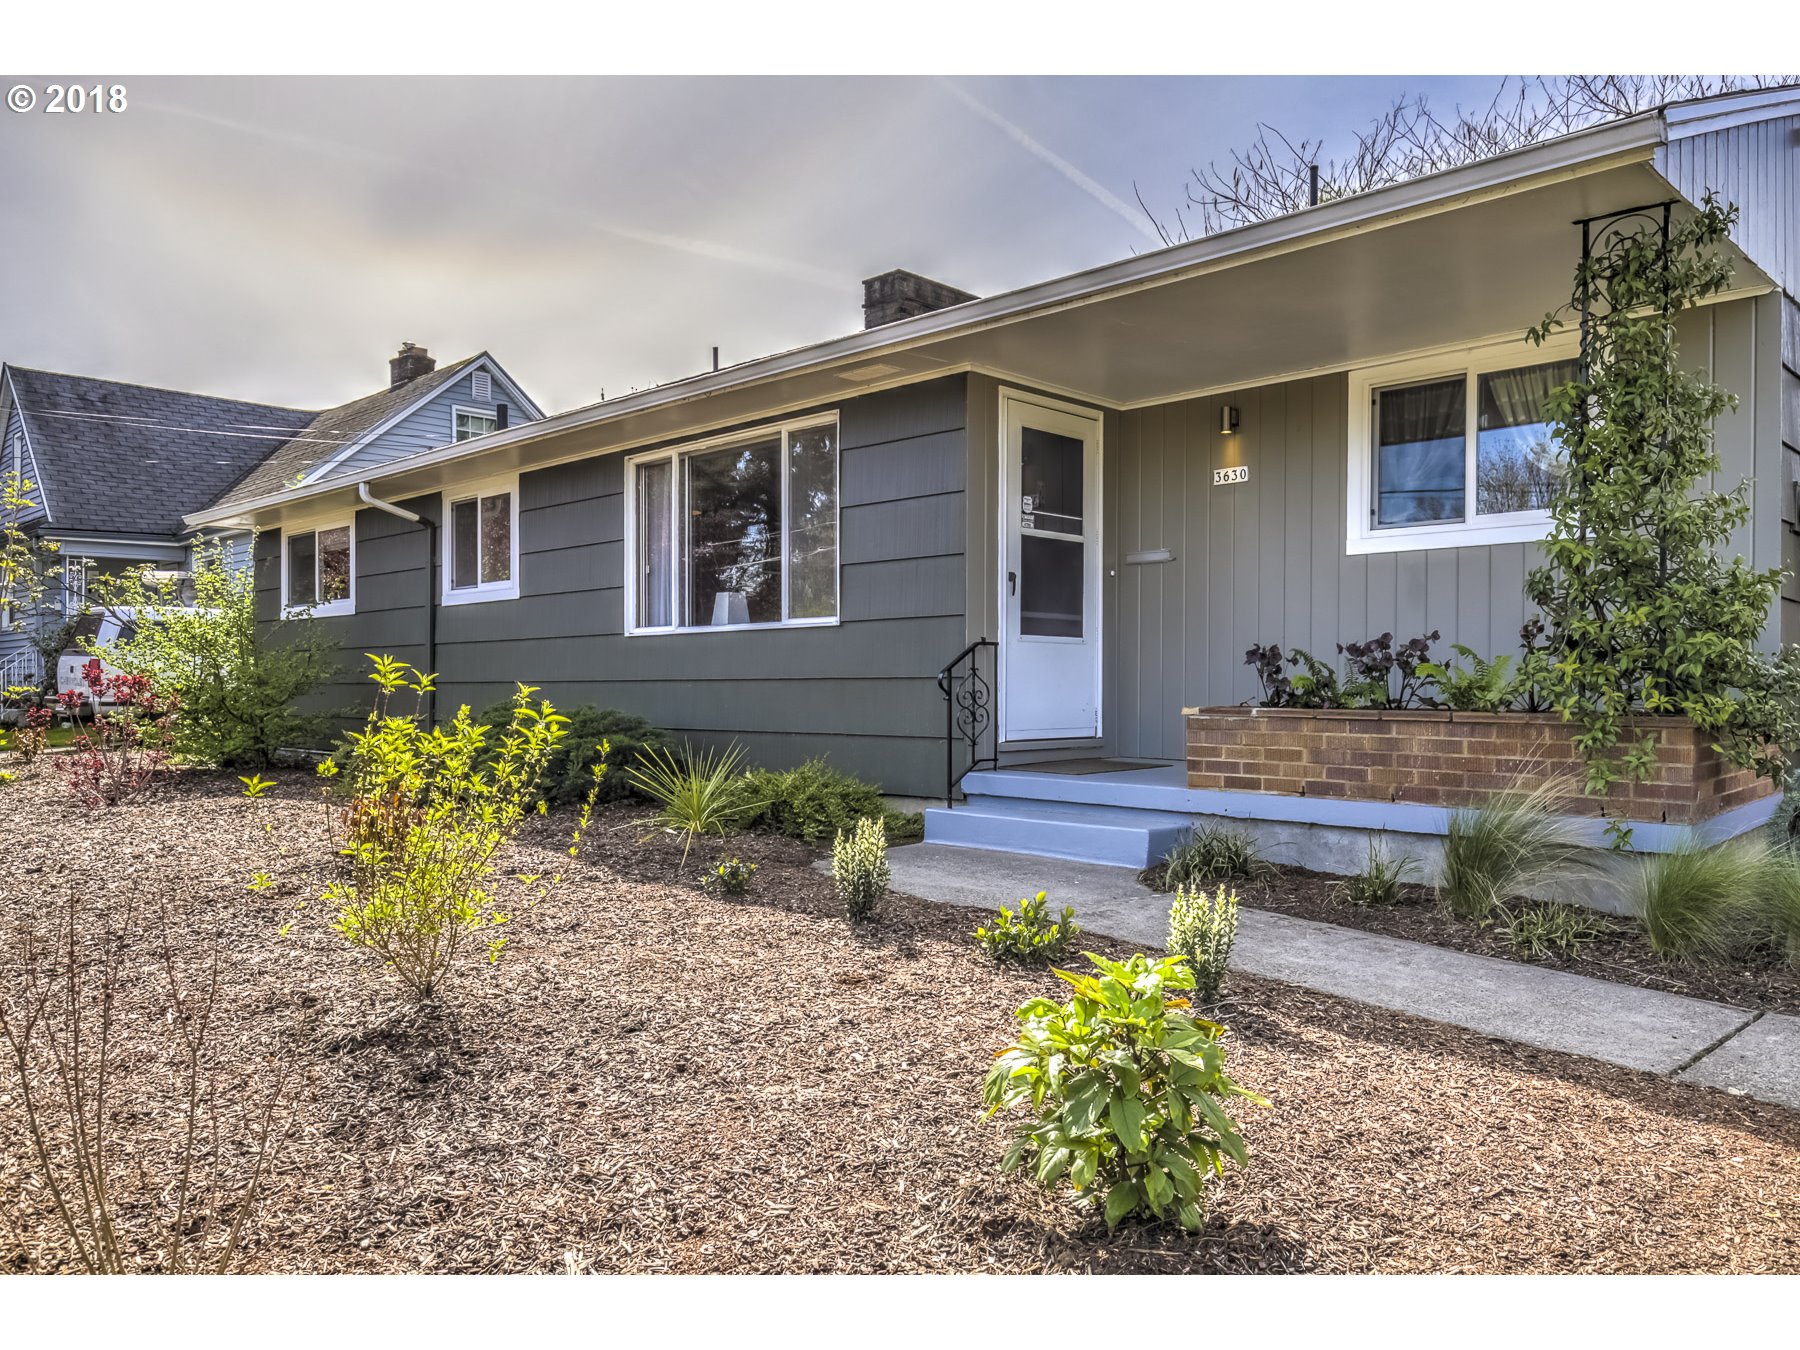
x,y
1645,613
1544,930
1202,931
1699,901
1379,883
1127,1092
859,868
1030,937
569,774
1209,853
239,684
423,823
1483,687
1514,844
814,801
700,793
732,876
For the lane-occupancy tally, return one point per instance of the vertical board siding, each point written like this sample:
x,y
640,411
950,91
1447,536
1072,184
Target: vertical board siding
x,y
1756,167
1788,474
862,692
1264,561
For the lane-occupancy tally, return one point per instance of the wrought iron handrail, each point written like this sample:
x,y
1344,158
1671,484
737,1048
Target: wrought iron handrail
x,y
968,715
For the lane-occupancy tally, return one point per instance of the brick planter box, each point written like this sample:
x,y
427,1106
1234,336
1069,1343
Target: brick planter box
x,y
1451,759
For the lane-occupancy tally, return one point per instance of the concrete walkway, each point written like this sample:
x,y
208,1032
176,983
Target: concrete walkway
x,y
1753,1054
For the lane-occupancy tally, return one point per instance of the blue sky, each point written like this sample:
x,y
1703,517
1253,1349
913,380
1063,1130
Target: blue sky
x,y
276,239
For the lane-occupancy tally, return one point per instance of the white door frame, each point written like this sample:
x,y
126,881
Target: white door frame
x,y
1095,562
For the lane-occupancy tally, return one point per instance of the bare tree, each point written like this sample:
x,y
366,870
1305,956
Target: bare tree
x,y
1272,176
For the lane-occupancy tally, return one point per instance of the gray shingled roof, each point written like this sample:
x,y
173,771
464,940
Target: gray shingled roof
x,y
330,431
128,459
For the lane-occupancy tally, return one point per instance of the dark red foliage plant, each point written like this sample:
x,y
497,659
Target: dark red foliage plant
x,y
124,748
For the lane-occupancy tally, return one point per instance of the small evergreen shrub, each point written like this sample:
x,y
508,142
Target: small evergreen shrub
x,y
732,876
1126,1091
1210,853
1379,883
1202,929
811,802
859,868
1697,901
1513,844
1544,930
1030,937
569,775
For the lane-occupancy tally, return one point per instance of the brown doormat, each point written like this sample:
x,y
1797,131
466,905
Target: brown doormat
x,y
1086,766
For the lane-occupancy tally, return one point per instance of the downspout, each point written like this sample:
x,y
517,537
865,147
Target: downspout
x,y
431,562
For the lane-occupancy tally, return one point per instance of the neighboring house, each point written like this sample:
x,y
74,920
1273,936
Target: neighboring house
x,y
1307,430
117,466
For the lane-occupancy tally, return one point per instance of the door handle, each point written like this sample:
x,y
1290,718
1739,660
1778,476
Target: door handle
x,y
1012,583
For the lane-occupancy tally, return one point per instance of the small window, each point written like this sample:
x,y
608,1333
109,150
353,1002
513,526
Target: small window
x,y
480,562
738,534
481,387
319,570
1446,458
471,422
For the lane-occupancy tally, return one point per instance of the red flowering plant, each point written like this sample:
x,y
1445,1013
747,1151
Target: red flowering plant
x,y
125,745
30,734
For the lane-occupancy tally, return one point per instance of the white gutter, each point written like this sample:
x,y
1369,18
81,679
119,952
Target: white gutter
x,y
367,499
1627,140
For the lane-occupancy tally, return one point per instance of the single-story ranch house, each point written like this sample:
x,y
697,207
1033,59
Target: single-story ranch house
x,y
1303,431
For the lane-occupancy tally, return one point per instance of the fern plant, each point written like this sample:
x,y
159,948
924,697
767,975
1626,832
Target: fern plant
x,y
859,868
1483,687
1202,931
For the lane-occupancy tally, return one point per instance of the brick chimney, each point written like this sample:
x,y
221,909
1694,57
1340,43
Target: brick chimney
x,y
900,294
412,362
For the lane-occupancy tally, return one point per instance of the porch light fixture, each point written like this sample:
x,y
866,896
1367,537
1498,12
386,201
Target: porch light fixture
x,y
1228,420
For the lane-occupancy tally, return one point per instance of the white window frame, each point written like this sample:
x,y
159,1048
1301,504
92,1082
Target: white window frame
x,y
674,455
457,410
1361,535
329,608
489,590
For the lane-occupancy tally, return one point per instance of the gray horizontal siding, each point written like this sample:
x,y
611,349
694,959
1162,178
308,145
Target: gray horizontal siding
x,y
862,691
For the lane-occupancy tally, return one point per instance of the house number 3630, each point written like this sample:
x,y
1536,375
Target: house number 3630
x,y
1241,474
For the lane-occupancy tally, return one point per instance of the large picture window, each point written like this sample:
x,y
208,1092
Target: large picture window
x,y
1444,457
481,534
736,533
318,569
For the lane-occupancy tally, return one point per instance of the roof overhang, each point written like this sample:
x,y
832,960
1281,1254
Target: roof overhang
x,y
1454,258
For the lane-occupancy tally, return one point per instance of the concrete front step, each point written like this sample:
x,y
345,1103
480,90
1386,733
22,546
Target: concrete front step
x,y
1081,832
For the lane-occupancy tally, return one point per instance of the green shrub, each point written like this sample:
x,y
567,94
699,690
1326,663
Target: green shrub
x,y
1379,883
732,876
423,824
859,868
1126,1092
699,793
811,802
1210,853
1030,937
1202,929
1483,687
1514,844
569,775
1697,901
1543,930
236,681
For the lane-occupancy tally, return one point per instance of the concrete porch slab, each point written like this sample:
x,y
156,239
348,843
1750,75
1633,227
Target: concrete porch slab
x,y
1554,1010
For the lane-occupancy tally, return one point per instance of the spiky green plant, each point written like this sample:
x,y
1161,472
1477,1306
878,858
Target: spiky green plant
x,y
1515,844
1379,883
1781,906
1209,853
1538,931
698,793
1700,901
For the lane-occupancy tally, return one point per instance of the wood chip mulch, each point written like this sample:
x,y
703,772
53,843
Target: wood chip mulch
x,y
1761,982
654,1079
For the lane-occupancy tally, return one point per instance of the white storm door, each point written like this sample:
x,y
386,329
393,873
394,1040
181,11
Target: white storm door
x,y
1049,572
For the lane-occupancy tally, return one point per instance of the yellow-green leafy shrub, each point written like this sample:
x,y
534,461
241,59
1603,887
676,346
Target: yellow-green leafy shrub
x,y
1030,937
1202,929
859,868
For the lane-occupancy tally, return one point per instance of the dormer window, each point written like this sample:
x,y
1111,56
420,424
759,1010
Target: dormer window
x,y
468,423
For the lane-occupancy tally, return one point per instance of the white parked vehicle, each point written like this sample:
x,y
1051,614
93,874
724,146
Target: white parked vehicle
x,y
97,628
